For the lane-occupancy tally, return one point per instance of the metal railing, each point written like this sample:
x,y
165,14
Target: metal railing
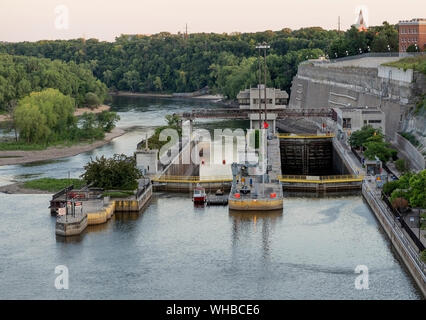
x,y
404,225
304,135
321,179
397,231
191,179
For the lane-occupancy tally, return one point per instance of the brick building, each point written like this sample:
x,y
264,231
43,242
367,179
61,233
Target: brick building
x,y
412,32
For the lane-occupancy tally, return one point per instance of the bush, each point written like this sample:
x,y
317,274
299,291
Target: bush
x,y
118,194
119,172
389,187
423,256
410,137
92,100
401,165
400,204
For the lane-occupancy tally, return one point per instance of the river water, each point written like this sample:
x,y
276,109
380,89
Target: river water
x,y
174,251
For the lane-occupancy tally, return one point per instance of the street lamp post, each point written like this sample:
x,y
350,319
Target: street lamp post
x,y
263,46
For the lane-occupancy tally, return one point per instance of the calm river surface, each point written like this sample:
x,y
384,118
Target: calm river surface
x,y
175,251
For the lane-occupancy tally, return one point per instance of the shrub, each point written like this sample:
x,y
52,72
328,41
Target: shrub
x,y
92,100
400,204
119,172
401,165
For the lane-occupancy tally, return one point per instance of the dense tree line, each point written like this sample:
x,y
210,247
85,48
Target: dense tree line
x,y
20,75
382,38
226,63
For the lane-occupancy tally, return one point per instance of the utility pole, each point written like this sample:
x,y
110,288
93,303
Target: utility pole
x,y
338,24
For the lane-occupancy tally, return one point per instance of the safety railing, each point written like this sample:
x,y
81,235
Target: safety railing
x,y
191,179
321,179
304,136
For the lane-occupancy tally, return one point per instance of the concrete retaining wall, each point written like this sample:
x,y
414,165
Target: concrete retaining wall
x,y
395,90
396,74
409,152
101,216
136,205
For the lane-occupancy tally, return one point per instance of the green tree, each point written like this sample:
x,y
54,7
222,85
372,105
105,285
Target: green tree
x,y
400,165
412,48
131,78
107,120
44,116
380,150
119,172
418,190
359,137
92,100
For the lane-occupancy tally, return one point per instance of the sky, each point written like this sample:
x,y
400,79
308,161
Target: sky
x,y
32,20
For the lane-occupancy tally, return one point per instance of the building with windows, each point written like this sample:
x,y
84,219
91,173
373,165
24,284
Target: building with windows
x,y
412,32
275,99
352,119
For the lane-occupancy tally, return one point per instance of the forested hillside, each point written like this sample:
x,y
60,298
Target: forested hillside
x,y
226,63
20,75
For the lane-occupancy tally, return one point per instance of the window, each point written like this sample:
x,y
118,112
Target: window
x,y
374,121
244,102
346,123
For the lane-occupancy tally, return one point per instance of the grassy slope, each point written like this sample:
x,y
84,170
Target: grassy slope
x,y
417,63
53,185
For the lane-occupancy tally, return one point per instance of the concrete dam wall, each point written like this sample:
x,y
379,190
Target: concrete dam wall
x,y
358,83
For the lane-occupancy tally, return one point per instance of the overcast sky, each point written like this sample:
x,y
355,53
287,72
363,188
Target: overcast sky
x,y
105,19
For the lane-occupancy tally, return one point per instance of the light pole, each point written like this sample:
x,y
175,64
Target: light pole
x,y
263,46
260,75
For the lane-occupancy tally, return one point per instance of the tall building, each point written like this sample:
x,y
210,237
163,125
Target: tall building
x,y
412,32
360,24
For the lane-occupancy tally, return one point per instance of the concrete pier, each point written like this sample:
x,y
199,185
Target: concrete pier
x,y
71,225
95,213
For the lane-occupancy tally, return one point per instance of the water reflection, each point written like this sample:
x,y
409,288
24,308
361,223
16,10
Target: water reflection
x,y
248,223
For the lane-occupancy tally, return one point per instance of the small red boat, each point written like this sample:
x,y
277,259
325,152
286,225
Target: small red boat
x,y
199,195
